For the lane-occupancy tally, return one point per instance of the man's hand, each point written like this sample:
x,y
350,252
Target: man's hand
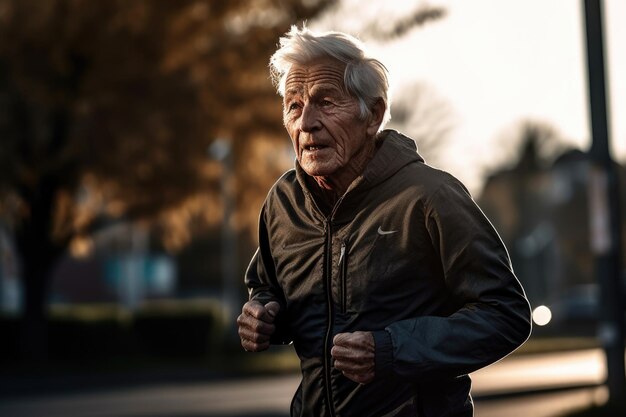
x,y
256,325
354,355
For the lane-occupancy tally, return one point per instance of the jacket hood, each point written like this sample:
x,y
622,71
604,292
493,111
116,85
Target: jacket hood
x,y
395,152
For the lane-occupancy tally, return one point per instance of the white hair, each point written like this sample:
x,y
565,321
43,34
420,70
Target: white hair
x,y
365,78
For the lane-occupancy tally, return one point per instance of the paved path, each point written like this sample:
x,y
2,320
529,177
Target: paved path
x,y
271,396
544,371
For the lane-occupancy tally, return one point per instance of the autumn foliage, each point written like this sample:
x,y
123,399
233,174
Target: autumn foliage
x,y
107,109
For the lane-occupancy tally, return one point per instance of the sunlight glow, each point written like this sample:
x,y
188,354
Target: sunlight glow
x,y
494,72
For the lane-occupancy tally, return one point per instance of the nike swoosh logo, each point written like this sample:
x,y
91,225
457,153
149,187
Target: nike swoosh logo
x,y
385,232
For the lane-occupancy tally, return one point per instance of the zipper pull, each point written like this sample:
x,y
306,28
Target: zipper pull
x,y
343,252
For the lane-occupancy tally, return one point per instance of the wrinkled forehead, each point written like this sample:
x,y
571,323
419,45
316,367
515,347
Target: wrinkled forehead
x,y
324,73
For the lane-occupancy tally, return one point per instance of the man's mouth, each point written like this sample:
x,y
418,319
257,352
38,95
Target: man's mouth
x,y
314,147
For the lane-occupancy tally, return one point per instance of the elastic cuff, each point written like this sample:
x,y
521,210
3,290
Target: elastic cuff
x,y
383,349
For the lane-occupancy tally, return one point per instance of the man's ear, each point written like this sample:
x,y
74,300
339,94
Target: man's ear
x,y
376,118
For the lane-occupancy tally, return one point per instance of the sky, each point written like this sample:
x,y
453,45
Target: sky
x,y
498,63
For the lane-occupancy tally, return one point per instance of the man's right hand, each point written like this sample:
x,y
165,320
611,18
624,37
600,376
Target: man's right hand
x,y
256,325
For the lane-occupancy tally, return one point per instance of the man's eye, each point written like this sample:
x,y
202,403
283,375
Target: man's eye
x,y
326,103
293,106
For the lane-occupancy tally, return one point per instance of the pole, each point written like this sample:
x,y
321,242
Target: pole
x,y
221,150
604,209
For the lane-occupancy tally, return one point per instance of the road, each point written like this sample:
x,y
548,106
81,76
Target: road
x,y
270,396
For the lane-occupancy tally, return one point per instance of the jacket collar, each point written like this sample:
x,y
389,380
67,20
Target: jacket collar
x,y
394,152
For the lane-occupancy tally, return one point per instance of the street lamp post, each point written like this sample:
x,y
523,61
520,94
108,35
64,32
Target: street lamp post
x,y
604,209
221,150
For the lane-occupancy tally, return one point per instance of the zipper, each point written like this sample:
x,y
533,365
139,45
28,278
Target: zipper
x,y
343,275
329,301
328,281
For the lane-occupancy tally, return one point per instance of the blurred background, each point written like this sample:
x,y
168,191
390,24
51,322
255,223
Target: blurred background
x,y
138,140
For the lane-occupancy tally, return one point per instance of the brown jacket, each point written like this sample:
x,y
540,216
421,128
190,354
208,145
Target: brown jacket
x,y
405,254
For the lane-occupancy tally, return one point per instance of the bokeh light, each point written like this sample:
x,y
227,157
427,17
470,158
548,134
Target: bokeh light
x,y
542,315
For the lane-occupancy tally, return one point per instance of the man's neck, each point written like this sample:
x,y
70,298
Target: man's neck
x,y
326,191
336,185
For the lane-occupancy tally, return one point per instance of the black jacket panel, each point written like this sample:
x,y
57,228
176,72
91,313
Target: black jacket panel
x,y
405,254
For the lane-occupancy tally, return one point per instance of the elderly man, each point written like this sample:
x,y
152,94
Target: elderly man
x,y
382,271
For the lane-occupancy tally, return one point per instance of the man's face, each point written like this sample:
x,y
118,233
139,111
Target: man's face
x,y
323,120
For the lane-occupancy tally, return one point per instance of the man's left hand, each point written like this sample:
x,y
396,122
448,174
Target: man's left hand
x,y
354,355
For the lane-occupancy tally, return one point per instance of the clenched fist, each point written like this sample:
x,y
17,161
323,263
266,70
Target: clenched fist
x,y
354,355
256,325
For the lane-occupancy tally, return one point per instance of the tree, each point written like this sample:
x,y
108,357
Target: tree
x,y
380,21
107,109
419,112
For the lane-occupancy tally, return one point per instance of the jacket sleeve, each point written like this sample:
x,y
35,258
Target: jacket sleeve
x,y
260,279
494,314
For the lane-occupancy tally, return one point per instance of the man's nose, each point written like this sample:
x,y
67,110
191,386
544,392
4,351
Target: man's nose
x,y
310,120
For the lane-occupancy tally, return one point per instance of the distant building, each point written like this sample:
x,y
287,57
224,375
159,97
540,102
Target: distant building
x,y
120,267
117,267
542,215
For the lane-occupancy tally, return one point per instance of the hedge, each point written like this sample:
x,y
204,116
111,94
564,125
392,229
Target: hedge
x,y
172,328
